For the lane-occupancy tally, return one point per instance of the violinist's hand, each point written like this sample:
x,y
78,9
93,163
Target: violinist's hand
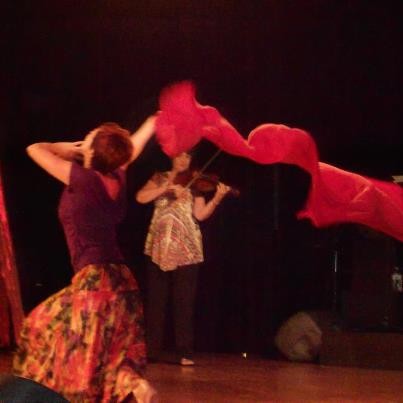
x,y
177,190
171,177
221,191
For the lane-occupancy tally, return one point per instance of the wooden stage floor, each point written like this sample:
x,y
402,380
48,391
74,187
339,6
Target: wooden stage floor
x,y
233,379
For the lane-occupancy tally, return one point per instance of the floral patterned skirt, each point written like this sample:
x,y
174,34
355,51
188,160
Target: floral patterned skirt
x,y
86,342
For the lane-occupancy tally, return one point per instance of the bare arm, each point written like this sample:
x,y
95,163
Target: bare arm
x,y
55,158
151,191
141,136
155,188
203,210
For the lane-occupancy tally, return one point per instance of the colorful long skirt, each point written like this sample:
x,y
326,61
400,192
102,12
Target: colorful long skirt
x,y
86,342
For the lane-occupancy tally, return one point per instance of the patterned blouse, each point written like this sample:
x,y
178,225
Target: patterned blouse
x,y
174,238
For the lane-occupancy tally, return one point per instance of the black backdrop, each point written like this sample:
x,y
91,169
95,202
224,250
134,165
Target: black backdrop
x,y
330,67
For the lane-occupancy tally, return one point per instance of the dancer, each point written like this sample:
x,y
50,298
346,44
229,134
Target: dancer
x,y
87,341
174,247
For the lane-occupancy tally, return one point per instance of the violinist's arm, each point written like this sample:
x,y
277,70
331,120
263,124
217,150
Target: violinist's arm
x,y
203,210
152,190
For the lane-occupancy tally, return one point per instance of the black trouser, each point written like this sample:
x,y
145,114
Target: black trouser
x,y
182,282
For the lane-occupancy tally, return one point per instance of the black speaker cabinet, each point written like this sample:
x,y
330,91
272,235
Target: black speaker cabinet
x,y
369,300
362,349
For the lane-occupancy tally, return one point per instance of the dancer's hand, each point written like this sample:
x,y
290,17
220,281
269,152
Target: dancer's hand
x,y
67,150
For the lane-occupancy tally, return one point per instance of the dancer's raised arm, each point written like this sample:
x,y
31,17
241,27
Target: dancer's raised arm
x,y
140,137
55,158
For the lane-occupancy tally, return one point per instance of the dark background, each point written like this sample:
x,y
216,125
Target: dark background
x,y
333,68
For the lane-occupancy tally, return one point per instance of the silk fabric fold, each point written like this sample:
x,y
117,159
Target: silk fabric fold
x,y
335,195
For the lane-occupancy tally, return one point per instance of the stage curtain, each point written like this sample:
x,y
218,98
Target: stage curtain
x,y
10,295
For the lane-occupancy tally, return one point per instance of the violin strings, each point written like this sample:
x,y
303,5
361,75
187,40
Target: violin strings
x,y
209,161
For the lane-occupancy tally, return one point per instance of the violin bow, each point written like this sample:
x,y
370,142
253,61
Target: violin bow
x,y
203,168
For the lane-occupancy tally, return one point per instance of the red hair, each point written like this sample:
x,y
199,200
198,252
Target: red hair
x,y
112,148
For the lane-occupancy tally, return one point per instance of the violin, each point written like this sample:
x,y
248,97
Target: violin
x,y
200,183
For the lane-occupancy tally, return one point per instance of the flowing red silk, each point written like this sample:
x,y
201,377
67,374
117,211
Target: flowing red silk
x,y
335,195
10,295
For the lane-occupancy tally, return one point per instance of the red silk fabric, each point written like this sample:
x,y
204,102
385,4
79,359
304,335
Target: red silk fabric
x,y
335,196
10,296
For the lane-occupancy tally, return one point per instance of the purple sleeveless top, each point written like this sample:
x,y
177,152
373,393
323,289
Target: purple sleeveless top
x,y
89,218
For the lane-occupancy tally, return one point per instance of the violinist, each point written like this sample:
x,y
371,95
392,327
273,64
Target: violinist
x,y
175,250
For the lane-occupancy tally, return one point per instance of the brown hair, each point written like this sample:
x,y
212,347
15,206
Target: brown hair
x,y
112,148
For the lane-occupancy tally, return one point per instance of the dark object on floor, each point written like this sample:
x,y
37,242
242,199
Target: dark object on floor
x,y
14,389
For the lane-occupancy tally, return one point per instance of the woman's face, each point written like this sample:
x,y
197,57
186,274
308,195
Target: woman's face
x,y
86,148
181,162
